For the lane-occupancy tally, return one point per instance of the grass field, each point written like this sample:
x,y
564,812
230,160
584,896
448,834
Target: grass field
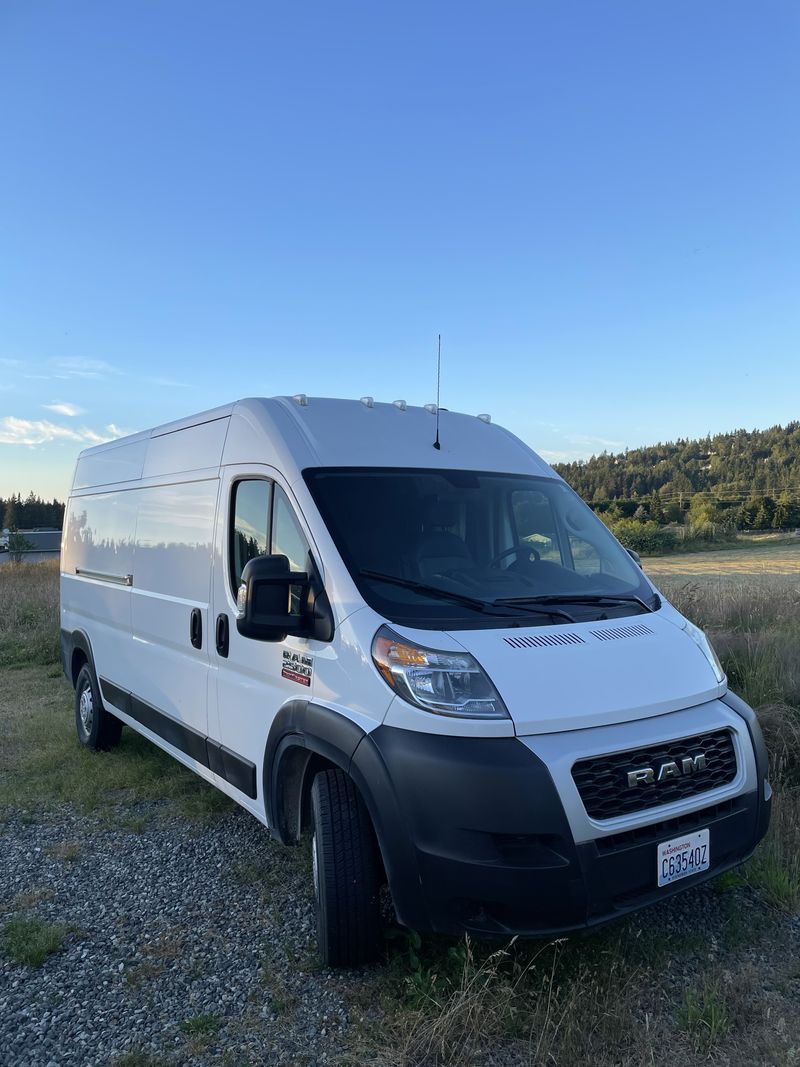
x,y
711,976
755,559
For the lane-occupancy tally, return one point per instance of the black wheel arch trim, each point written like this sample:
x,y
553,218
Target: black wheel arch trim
x,y
309,729
71,642
300,730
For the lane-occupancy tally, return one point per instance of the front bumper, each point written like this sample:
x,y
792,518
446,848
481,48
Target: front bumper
x,y
475,837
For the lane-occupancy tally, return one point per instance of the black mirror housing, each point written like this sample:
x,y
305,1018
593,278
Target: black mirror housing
x,y
635,557
264,600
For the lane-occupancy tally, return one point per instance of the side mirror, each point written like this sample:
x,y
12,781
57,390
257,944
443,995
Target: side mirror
x,y
264,601
637,559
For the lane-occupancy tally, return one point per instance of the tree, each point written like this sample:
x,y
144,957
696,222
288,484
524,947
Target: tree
x,y
10,514
17,546
656,510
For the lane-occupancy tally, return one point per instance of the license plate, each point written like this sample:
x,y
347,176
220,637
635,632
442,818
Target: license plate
x,y
683,856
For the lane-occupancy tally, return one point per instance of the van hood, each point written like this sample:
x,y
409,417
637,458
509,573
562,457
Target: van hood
x,y
554,678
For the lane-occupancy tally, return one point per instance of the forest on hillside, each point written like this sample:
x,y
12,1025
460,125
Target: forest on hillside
x,y
747,479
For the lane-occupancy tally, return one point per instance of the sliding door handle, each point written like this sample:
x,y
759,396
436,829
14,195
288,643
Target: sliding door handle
x,y
196,628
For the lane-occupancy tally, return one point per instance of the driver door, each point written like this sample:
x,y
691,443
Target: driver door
x,y
252,679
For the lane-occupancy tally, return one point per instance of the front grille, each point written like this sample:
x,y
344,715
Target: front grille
x,y
602,781
654,832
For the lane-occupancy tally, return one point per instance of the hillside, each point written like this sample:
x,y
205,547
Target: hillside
x,y
742,471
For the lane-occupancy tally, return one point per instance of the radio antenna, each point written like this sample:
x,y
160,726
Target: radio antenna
x,y
438,385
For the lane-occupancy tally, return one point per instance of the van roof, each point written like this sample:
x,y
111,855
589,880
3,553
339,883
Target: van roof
x,y
293,433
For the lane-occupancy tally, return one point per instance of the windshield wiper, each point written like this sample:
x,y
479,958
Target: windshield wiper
x,y
592,598
461,598
430,590
532,603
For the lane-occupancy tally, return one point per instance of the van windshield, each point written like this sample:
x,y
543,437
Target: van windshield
x,y
457,549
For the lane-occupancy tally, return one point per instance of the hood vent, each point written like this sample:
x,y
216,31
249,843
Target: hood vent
x,y
637,629
543,640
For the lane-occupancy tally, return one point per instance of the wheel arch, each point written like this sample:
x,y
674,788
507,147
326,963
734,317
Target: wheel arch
x,y
306,738
76,649
303,740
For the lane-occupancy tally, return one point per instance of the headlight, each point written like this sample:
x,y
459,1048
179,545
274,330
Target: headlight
x,y
704,645
445,683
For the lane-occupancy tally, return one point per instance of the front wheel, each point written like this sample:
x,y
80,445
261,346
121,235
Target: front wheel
x,y
97,728
346,873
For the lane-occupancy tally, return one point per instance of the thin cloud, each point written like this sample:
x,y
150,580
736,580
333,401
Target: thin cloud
x,y
14,431
116,431
70,410
77,367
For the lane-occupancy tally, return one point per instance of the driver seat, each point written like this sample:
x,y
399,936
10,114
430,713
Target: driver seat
x,y
439,550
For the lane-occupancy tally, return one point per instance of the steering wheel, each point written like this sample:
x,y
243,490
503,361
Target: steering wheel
x,y
516,550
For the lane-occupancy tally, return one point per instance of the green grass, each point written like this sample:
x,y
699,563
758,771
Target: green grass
x,y
202,1025
30,940
43,766
704,1014
774,871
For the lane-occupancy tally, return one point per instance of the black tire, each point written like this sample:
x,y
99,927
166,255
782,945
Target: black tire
x,y
346,873
97,728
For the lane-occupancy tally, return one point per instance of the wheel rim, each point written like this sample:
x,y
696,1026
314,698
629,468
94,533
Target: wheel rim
x,y
86,710
315,865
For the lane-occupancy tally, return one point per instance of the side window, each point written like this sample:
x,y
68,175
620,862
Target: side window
x,y
534,522
249,524
288,540
585,556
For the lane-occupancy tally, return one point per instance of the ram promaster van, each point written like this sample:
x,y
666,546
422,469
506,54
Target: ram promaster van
x,y
430,655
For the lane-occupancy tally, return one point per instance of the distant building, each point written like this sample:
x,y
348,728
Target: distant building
x,y
45,544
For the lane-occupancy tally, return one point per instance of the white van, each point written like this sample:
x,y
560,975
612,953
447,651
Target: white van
x,y
436,659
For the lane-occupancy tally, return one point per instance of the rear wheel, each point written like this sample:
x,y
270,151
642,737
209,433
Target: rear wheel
x,y
97,728
346,873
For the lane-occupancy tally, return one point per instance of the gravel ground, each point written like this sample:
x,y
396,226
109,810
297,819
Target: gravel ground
x,y
194,944
172,924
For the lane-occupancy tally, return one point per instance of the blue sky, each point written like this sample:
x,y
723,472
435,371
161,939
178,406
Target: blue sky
x,y
595,203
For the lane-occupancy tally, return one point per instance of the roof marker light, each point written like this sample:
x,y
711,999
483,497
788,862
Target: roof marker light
x,y
485,418
399,404
368,401
301,399
431,408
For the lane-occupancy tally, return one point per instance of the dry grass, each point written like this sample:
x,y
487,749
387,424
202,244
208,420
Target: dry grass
x,y
549,1004
740,605
29,630
755,560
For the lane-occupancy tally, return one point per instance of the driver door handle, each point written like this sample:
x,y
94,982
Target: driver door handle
x,y
222,634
